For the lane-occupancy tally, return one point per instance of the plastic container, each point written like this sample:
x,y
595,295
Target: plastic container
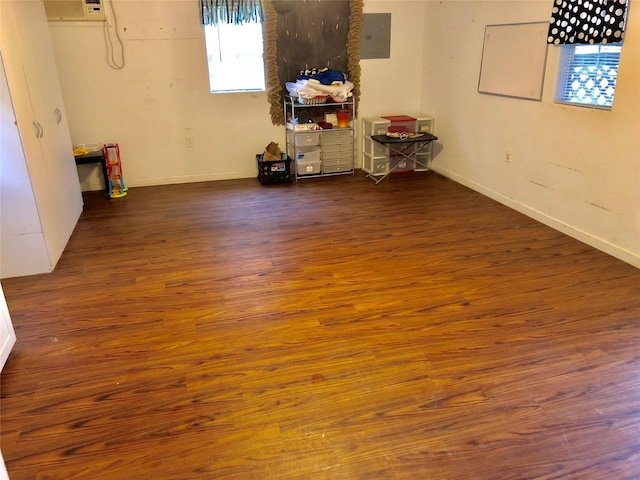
x,y
271,172
376,165
375,126
306,138
402,165
308,167
308,154
343,118
402,123
373,148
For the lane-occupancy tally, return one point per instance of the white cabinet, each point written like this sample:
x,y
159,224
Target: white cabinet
x,y
7,341
322,152
7,334
41,199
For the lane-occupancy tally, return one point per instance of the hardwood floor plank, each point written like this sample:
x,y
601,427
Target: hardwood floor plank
x,y
325,329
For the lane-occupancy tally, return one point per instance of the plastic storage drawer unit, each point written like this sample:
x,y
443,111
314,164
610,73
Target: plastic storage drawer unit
x,y
425,124
308,161
375,126
337,165
376,165
336,137
402,165
307,138
373,148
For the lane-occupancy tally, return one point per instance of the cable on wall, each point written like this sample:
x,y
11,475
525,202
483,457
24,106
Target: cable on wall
x,y
111,32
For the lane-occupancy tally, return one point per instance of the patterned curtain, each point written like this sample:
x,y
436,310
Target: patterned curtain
x,y
587,21
213,12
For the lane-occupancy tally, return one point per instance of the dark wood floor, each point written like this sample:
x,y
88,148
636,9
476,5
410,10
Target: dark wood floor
x,y
332,329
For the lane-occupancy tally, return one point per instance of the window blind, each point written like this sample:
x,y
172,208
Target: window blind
x,y
591,74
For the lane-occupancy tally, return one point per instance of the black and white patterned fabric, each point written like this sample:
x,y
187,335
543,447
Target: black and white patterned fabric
x,y
587,21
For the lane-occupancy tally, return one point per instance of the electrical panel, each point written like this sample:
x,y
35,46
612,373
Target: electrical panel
x,y
74,10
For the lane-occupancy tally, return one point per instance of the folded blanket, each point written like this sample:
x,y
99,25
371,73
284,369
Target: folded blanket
x,y
339,91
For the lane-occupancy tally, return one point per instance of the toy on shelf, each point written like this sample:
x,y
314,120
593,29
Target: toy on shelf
x,y
116,187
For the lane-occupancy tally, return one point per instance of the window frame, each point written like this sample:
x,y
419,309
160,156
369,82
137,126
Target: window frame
x,y
258,86
566,57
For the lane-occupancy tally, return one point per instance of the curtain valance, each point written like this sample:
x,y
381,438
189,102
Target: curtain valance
x,y
213,12
587,21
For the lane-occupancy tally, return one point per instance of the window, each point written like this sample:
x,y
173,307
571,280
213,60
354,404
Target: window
x,y
588,75
235,57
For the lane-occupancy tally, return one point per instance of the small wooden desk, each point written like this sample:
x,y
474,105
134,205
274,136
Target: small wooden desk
x,y
96,157
403,147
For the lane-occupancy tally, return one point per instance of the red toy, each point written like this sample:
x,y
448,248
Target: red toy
x,y
116,186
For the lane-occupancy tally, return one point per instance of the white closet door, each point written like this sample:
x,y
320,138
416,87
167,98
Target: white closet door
x,y
23,250
53,173
7,335
36,98
3,470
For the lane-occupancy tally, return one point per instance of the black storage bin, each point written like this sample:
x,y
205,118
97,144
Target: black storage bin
x,y
273,171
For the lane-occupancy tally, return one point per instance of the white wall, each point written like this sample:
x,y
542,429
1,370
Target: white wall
x,y
393,86
160,97
574,168
162,94
587,186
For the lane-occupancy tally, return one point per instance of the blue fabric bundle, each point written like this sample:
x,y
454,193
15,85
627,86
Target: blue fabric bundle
x,y
326,76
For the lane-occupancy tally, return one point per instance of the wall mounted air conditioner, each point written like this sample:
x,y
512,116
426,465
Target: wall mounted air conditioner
x,y
74,10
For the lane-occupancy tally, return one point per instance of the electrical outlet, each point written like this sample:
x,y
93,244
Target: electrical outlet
x,y
507,155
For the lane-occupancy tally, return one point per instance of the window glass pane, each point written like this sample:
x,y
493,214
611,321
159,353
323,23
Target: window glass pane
x,y
589,74
235,57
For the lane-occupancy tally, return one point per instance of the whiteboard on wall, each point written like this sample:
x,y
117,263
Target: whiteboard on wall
x,y
513,60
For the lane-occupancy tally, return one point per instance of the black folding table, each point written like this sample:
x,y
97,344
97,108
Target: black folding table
x,y
405,145
96,156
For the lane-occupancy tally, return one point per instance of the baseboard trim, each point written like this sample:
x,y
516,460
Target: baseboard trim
x,y
153,182
585,237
